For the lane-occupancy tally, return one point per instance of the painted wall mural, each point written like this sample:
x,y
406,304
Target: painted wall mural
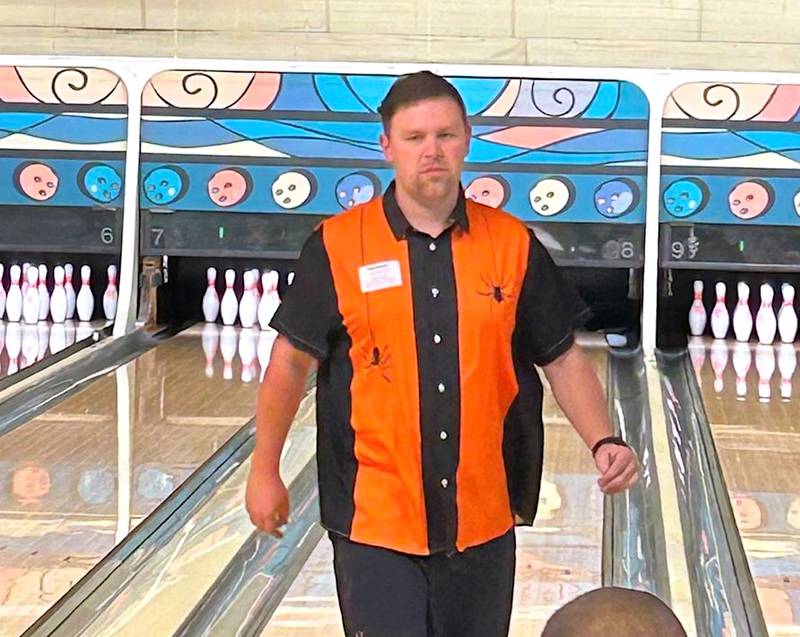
x,y
62,136
731,154
563,150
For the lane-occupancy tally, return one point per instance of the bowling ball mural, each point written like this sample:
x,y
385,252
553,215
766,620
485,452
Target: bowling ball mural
x,y
294,188
551,196
229,186
165,185
356,188
491,190
750,199
100,182
685,197
36,181
616,197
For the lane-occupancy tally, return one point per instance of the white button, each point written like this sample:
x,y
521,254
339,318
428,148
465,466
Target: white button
x,y
432,247
443,435
437,339
441,388
435,292
444,483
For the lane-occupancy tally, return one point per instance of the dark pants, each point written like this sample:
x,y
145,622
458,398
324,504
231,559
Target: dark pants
x,y
383,593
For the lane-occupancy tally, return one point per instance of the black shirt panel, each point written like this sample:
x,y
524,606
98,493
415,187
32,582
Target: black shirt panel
x,y
309,313
548,311
433,287
336,457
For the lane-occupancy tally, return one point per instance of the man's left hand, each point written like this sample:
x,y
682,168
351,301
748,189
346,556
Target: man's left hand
x,y
618,467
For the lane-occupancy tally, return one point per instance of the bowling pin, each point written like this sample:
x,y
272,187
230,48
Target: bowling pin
x,y
58,335
719,361
257,280
58,301
2,294
787,317
720,319
44,295
13,345
247,352
84,302
290,278
765,365
211,298
266,339
14,298
210,340
742,359
30,300
697,313
742,318
765,318
271,301
25,267
227,346
70,290
787,363
110,295
229,307
248,304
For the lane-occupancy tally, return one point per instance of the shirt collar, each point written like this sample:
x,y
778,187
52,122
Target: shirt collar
x,y
400,225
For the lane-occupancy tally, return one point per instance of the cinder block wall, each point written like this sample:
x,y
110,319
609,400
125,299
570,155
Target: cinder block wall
x,y
701,34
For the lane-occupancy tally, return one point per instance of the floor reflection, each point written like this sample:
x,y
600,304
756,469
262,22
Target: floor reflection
x,y
749,395
78,477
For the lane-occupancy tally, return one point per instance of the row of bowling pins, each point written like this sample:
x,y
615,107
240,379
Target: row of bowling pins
x,y
742,362
33,342
253,346
255,304
766,323
28,297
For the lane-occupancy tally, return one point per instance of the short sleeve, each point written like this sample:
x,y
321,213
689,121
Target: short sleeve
x,y
308,314
548,311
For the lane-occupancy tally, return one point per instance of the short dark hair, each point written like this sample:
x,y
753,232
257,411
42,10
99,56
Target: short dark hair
x,y
415,87
614,610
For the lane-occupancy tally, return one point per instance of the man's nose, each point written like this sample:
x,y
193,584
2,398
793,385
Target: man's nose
x,y
432,147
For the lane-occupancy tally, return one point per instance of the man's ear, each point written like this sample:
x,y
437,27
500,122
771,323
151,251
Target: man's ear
x,y
386,146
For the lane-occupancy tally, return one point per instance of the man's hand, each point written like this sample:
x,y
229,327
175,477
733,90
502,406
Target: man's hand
x,y
618,467
267,502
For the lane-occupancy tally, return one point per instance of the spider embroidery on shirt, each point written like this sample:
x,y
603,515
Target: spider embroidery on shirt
x,y
380,360
497,291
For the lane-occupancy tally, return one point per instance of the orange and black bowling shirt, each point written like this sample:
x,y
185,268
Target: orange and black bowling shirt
x,y
429,408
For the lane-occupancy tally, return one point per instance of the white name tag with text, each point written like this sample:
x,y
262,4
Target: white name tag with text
x,y
379,276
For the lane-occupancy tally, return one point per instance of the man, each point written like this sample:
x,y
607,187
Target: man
x,y
426,313
614,611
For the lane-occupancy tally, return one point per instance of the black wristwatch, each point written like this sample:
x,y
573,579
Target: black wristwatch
x,y
610,440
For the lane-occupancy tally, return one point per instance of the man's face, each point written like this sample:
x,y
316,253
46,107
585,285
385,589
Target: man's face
x,y
426,143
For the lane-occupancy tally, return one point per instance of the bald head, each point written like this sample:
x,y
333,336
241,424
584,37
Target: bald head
x,y
614,611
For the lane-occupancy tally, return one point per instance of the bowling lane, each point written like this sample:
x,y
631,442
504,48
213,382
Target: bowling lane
x,y
754,414
160,596
558,558
76,479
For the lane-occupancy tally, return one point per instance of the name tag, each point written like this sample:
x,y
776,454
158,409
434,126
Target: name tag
x,y
379,276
